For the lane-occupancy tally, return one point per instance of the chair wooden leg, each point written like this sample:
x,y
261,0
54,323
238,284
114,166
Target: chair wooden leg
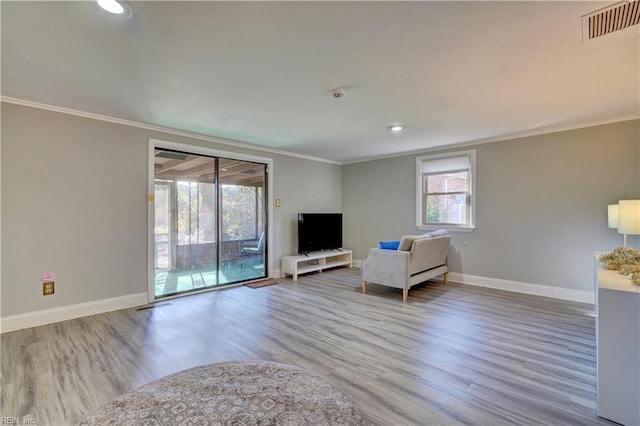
x,y
364,287
446,277
405,295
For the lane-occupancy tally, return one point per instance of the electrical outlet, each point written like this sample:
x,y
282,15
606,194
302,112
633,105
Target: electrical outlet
x,y
48,288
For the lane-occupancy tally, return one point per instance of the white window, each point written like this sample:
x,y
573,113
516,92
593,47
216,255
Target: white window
x,y
445,195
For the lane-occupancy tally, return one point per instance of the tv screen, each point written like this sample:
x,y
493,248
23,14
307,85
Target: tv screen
x,y
319,231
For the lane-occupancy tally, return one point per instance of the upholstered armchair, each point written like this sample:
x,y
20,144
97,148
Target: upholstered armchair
x,y
418,259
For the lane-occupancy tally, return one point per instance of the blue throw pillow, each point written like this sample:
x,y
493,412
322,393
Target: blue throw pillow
x,y
389,245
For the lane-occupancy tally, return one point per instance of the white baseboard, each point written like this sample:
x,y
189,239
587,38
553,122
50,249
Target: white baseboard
x,y
527,288
519,287
63,313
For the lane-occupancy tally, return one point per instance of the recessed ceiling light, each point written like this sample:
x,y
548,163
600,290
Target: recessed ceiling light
x,y
115,7
396,128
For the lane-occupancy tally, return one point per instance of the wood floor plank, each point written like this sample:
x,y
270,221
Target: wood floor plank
x,y
453,354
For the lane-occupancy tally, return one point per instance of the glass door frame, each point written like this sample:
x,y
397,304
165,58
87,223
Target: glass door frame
x,y
199,150
169,241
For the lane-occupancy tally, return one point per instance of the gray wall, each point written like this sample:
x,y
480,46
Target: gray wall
x,y
74,203
541,204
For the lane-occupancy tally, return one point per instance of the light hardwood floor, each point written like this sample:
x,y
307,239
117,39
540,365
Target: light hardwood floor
x,y
453,354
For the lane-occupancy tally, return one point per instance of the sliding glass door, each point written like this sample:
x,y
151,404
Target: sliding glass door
x,y
242,208
209,221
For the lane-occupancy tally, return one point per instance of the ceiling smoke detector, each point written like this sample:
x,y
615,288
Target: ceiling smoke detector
x,y
338,92
610,19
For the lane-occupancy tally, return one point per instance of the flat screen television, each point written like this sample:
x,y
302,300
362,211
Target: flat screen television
x,y
319,231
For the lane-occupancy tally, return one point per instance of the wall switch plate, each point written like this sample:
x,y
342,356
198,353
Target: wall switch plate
x,y
48,288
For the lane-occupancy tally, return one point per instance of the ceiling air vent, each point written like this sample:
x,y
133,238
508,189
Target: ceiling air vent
x,y
613,18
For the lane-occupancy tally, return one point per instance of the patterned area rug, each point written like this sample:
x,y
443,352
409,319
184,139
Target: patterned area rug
x,y
232,393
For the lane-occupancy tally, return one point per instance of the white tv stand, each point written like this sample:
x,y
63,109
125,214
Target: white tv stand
x,y
315,261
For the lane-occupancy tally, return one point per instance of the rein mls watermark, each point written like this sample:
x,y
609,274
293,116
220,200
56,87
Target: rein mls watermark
x,y
17,421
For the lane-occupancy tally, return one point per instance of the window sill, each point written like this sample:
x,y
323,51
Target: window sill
x,y
448,228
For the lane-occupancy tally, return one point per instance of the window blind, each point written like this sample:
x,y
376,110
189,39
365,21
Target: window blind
x,y
446,164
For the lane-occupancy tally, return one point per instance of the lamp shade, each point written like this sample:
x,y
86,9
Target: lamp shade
x,y
629,217
612,215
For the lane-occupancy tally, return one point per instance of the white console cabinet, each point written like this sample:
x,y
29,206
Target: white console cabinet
x,y
315,261
618,347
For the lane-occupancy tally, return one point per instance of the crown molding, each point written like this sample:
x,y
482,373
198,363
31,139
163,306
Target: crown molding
x,y
168,130
506,137
199,136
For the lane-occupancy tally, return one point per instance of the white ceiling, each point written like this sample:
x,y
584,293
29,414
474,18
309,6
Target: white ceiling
x,y
261,72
